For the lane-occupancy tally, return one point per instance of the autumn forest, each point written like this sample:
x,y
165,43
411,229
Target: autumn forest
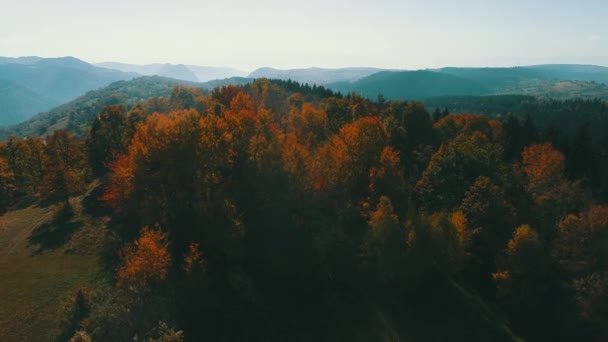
x,y
278,211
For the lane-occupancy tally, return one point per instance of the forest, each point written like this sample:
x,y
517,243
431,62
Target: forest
x,y
277,211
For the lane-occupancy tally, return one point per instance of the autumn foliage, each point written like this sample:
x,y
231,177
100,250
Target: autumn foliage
x,y
146,261
289,211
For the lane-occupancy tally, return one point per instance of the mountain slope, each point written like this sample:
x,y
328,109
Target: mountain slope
x,y
80,113
410,85
494,79
61,79
572,72
549,81
29,85
42,262
19,103
319,76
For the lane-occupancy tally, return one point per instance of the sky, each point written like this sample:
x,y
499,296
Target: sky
x,y
396,34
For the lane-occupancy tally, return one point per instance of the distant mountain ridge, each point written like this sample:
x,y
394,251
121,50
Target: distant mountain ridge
x,y
550,81
19,102
78,115
20,60
319,76
192,73
410,85
34,84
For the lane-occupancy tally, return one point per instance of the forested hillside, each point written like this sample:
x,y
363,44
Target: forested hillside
x,y
275,211
19,102
30,85
78,115
545,81
566,115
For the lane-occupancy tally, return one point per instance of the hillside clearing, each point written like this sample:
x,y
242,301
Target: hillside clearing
x,y
36,278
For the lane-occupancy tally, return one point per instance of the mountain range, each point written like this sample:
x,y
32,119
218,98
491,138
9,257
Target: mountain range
x,y
78,114
31,85
551,81
193,73
318,76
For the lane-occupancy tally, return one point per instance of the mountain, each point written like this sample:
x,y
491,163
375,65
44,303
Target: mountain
x,y
77,115
193,73
209,85
572,72
38,84
494,79
20,60
206,73
319,76
176,71
410,85
19,102
548,81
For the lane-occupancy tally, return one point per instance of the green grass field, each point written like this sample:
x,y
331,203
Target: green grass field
x,y
36,275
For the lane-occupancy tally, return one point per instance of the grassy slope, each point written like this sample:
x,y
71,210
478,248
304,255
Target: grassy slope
x,y
36,278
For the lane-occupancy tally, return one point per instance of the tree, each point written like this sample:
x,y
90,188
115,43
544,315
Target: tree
x,y
491,219
411,131
512,139
553,195
450,239
337,112
529,131
382,246
591,296
437,115
579,247
34,158
387,179
145,262
343,163
80,336
522,278
65,165
581,163
448,128
454,167
183,97
310,125
108,138
163,333
7,184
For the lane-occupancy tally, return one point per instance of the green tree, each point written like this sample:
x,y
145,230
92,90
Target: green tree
x,y
65,165
454,167
523,278
383,245
108,138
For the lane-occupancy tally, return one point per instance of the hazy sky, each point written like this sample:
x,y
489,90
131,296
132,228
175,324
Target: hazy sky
x,y
406,34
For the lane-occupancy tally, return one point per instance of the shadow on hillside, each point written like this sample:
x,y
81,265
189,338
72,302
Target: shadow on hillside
x,y
92,206
54,234
22,203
